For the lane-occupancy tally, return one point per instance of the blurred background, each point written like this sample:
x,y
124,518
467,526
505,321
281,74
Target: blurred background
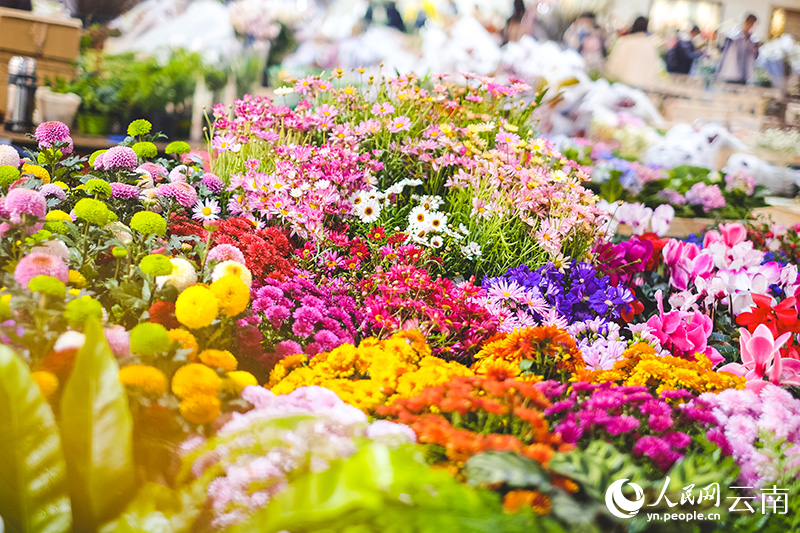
x,y
101,63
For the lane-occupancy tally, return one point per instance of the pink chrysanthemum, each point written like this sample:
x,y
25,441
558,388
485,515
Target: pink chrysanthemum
x,y
155,170
39,264
21,202
213,182
9,156
117,157
183,193
123,190
179,174
49,132
119,340
225,252
51,189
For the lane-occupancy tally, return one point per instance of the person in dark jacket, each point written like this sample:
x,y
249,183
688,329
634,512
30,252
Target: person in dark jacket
x,y
681,57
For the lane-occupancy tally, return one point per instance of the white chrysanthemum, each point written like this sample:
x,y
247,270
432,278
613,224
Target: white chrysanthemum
x,y
120,231
419,219
368,211
69,340
234,268
55,248
9,156
183,275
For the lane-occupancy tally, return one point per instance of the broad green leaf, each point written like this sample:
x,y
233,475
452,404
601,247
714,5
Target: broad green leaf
x,y
33,490
97,429
507,468
596,467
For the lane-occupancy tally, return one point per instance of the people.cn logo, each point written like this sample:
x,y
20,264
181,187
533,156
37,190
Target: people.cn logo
x,y
619,505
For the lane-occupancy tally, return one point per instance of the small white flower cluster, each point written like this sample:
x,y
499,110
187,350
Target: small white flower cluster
x,y
367,205
471,251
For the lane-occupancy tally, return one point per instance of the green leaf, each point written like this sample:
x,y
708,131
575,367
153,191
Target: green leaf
x,y
33,490
611,190
97,428
507,468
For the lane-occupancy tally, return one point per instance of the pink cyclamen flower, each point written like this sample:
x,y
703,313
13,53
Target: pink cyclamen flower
x,y
729,234
39,264
762,362
676,250
401,123
117,157
683,333
48,133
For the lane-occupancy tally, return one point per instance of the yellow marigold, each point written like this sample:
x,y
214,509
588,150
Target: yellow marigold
x,y
76,278
200,408
195,379
301,377
232,294
145,378
196,307
432,372
222,359
186,341
640,365
241,379
36,170
47,382
286,365
364,394
417,341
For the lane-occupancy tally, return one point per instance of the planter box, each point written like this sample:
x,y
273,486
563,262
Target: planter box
x,y
680,227
53,43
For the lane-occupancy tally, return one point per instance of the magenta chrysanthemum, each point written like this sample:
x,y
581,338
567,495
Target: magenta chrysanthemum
x,y
213,182
21,202
123,190
39,264
225,252
51,189
117,157
155,170
49,132
9,156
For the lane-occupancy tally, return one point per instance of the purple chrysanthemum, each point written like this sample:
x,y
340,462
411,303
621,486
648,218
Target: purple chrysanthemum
x,y
213,182
39,264
123,190
49,132
51,189
21,202
117,157
225,252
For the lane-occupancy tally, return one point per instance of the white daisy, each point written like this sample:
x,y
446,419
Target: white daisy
x,y
436,241
419,219
208,210
438,221
368,211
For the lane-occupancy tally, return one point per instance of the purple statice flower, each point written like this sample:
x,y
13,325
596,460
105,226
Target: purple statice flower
x,y
48,133
117,158
124,191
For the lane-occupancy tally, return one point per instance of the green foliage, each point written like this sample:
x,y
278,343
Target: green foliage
x,y
505,468
97,428
33,489
388,490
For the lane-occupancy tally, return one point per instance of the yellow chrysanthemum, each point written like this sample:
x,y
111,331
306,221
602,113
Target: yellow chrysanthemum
x,y
186,341
146,379
47,382
241,379
222,359
76,278
196,307
195,379
232,294
36,170
200,409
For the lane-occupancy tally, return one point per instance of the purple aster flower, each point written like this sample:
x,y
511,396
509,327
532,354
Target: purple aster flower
x,y
327,340
124,191
657,450
276,314
569,430
51,189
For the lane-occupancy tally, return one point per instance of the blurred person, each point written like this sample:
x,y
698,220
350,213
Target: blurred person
x,y
683,53
522,22
579,30
593,49
392,19
739,53
634,59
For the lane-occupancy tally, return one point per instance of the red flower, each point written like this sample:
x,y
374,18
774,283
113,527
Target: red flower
x,y
163,313
658,246
377,234
632,309
780,319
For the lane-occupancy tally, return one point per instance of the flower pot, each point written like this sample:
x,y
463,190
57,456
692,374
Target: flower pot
x,y
93,123
56,106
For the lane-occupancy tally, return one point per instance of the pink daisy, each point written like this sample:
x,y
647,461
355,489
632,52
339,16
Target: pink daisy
x,y
401,123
